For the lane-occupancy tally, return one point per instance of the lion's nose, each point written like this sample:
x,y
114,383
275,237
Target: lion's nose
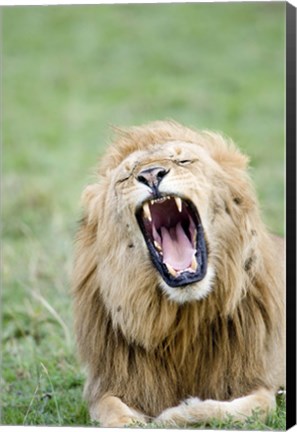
x,y
152,177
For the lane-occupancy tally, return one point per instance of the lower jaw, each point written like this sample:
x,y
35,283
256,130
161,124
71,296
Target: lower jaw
x,y
196,291
182,281
181,278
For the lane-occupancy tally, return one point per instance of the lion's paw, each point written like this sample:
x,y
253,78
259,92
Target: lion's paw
x,y
179,415
124,421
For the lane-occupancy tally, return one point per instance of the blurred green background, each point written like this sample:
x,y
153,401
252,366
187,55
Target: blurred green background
x,y
69,72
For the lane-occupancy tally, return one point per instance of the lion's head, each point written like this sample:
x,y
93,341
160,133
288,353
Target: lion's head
x,y
171,206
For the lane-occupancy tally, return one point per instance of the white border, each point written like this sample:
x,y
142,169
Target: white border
x,y
11,3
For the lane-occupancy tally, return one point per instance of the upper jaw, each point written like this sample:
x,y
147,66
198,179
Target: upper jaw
x,y
174,236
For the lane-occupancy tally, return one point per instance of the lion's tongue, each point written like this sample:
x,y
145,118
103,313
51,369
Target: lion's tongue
x,y
177,248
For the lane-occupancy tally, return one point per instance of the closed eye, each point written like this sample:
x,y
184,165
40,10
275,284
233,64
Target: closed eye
x,y
129,171
121,180
186,161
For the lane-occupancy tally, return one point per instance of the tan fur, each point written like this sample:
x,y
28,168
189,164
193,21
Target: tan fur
x,y
148,347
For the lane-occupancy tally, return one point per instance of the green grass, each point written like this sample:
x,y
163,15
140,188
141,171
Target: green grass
x,y
68,74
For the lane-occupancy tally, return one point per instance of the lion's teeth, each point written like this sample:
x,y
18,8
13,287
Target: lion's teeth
x,y
147,212
178,203
158,200
157,246
171,270
195,238
194,264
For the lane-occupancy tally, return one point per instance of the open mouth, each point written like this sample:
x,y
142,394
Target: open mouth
x,y
174,236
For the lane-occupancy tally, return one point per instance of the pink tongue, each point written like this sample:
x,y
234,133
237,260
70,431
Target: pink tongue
x,y
177,248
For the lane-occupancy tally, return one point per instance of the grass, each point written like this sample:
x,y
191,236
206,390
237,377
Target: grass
x,y
69,73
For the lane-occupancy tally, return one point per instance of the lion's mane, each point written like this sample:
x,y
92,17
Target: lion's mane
x,y
153,352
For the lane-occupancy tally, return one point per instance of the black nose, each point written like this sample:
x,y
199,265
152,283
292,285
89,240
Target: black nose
x,y
152,177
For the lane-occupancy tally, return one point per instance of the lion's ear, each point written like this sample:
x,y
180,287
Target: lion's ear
x,y
90,200
231,158
225,153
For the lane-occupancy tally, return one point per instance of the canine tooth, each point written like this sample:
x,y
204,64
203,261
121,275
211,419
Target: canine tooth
x,y
157,246
147,212
178,203
194,264
195,237
171,270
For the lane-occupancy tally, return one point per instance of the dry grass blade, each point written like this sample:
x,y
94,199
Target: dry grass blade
x,y
30,404
54,313
53,392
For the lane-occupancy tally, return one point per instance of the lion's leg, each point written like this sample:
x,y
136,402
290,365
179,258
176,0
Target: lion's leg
x,y
110,411
194,410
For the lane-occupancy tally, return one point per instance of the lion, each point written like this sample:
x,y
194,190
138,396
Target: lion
x,y
178,286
